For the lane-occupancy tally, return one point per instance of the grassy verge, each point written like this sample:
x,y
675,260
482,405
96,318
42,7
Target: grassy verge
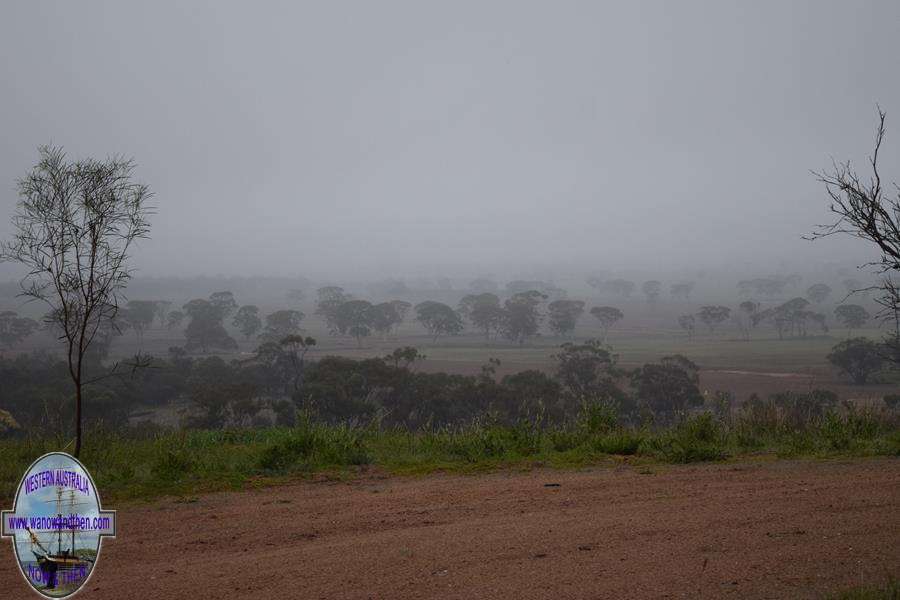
x,y
132,466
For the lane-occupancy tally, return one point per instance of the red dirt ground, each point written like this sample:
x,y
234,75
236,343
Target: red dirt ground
x,y
756,530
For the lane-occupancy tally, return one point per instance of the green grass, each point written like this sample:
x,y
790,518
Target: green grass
x,y
147,465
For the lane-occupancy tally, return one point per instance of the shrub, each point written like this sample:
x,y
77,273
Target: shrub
x,y
698,438
622,442
172,465
308,446
598,417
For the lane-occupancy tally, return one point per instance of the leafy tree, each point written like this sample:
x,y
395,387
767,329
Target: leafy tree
x,y
14,329
139,315
531,393
385,317
355,317
522,317
587,372
651,290
247,320
224,302
682,290
73,229
689,324
818,319
162,311
858,357
282,323
818,293
745,317
749,307
401,307
405,357
563,315
790,317
713,316
174,319
438,319
330,300
608,316
281,364
669,387
484,312
851,316
204,331
296,347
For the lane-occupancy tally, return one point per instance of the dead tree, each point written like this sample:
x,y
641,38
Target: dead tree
x,y
866,210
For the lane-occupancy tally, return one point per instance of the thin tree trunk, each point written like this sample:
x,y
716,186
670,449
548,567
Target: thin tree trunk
x,y
77,419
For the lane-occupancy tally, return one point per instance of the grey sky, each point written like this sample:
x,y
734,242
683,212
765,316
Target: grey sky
x,y
392,137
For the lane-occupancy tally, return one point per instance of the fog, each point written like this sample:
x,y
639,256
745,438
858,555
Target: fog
x,y
383,139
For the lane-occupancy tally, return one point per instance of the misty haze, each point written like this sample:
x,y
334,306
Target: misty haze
x,y
559,300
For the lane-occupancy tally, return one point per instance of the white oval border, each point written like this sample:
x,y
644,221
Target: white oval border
x,y
5,513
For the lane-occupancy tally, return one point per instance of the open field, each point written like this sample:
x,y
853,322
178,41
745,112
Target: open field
x,y
753,530
763,365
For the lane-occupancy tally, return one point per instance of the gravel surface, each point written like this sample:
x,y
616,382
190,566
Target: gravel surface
x,y
757,530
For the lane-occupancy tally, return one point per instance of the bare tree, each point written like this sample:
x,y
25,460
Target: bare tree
x,y
73,227
867,211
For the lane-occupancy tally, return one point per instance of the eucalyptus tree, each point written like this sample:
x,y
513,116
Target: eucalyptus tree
x,y
714,315
484,312
14,329
689,324
563,315
247,320
330,299
281,324
356,318
818,292
139,315
851,316
608,316
205,331
161,309
438,319
522,316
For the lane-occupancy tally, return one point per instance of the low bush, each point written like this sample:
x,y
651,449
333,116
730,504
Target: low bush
x,y
151,461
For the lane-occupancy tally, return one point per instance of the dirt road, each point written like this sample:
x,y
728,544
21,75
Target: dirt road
x,y
775,530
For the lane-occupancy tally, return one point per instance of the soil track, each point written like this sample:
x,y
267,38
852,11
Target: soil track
x,y
773,530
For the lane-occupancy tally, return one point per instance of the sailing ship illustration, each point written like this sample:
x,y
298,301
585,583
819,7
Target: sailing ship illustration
x,y
66,563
